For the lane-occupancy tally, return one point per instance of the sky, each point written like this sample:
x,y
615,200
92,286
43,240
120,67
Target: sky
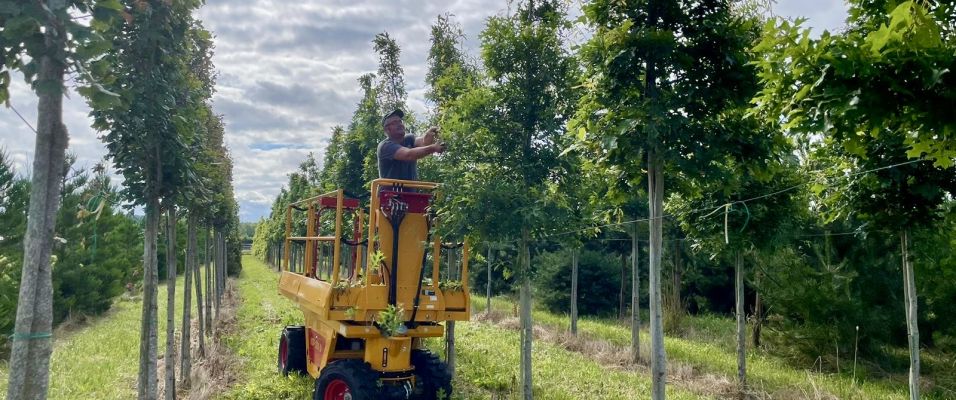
x,y
288,73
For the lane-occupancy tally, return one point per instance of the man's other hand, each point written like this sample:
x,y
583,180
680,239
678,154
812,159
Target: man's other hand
x,y
431,133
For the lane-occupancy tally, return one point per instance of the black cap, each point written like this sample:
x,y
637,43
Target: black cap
x,y
396,113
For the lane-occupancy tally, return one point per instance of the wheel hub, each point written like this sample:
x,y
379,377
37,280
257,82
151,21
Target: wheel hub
x,y
337,390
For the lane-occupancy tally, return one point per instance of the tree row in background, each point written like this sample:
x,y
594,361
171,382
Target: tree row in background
x,y
145,69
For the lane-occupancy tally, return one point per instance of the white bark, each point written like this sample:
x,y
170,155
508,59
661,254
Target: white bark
x,y
741,323
912,329
635,298
451,356
185,356
199,301
170,358
216,278
527,324
32,340
655,190
147,383
488,285
574,292
207,245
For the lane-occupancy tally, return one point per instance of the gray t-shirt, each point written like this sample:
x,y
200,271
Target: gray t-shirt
x,y
389,167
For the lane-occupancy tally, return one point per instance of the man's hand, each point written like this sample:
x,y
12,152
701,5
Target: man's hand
x,y
431,134
437,147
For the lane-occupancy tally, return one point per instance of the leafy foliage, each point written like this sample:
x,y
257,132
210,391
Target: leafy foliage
x,y
507,134
888,74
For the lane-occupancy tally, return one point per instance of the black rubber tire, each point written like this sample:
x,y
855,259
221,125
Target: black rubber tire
x,y
361,380
432,378
294,337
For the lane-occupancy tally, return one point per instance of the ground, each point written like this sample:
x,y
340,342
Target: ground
x,y
98,359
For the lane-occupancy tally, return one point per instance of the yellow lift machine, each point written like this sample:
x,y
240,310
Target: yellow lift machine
x,y
368,311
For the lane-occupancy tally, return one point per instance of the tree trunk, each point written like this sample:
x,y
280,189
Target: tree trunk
x,y
147,383
488,285
758,311
912,330
170,358
450,355
185,350
655,185
216,279
620,295
222,265
200,321
635,299
574,291
225,261
527,330
677,279
741,323
32,339
207,245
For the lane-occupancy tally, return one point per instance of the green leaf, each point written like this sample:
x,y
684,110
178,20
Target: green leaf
x,y
110,5
855,146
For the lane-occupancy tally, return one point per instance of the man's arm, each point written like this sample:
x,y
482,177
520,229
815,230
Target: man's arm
x,y
417,153
428,138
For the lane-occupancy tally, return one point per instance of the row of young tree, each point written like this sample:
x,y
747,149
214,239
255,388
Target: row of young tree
x,y
145,68
807,166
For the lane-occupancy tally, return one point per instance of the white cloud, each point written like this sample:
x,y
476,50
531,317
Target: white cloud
x,y
288,74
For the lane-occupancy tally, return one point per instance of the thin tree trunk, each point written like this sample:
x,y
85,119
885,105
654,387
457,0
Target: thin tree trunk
x,y
527,330
912,329
574,291
678,278
758,311
225,261
741,323
222,266
488,285
450,354
635,299
32,339
147,383
217,280
620,295
185,350
170,358
200,321
656,200
207,246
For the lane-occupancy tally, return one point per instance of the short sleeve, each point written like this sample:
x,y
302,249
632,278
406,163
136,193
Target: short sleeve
x,y
388,149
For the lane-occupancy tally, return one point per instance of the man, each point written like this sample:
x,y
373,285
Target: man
x,y
399,154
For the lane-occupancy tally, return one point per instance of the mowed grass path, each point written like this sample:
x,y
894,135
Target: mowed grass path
x,y
100,359
487,356
715,353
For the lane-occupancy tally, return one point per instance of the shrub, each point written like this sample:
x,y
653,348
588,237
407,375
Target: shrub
x,y
599,282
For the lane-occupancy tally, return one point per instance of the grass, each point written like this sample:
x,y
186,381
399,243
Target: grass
x,y
710,348
261,315
100,358
487,356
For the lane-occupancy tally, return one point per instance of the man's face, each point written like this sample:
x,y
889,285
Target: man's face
x,y
395,128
